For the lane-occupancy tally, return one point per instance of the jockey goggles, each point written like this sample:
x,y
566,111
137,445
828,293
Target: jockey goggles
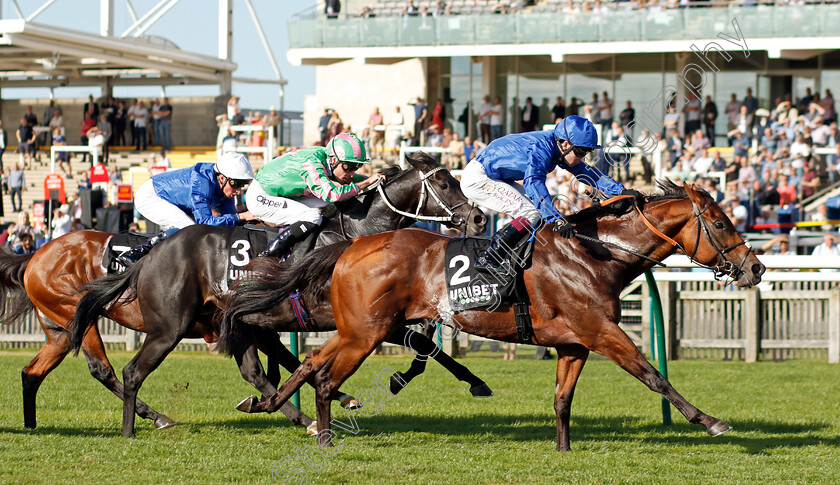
x,y
238,183
350,166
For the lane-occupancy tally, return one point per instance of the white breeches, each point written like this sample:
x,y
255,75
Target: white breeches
x,y
280,210
152,207
503,197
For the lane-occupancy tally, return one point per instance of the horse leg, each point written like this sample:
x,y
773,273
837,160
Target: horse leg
x,y
101,369
51,354
276,354
251,369
156,347
611,342
570,361
425,347
313,362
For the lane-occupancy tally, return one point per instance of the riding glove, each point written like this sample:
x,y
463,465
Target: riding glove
x,y
564,228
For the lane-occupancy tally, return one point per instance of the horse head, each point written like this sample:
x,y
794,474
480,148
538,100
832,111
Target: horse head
x,y
440,197
712,241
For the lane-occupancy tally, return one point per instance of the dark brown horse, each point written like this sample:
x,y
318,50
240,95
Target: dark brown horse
x,y
50,281
179,282
574,287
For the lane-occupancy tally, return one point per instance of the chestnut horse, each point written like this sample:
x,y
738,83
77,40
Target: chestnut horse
x,y
179,282
574,287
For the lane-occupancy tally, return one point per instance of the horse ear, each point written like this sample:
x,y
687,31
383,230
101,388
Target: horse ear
x,y
421,161
693,192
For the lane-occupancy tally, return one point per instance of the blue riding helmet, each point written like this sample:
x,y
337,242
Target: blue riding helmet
x,y
578,131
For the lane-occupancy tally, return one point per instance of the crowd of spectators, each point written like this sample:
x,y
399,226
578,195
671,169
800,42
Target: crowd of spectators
x,y
436,8
229,138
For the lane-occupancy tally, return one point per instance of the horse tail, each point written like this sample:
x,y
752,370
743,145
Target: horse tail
x,y
270,285
102,294
14,301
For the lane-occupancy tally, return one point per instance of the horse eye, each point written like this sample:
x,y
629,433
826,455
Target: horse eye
x,y
718,225
443,186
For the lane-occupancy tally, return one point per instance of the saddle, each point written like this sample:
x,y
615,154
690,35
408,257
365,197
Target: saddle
x,y
121,243
470,288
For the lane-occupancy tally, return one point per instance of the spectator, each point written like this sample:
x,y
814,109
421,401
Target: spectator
x,y
673,146
324,126
25,244
141,120
61,223
96,142
456,153
397,125
822,216
671,121
787,193
105,130
710,185
710,114
497,111
332,8
49,112
558,111
605,111
744,122
438,114
627,115
750,102
411,10
733,110
827,103
828,249
367,13
530,115
3,141
692,112
6,234
165,112
232,107
484,113
92,108
810,181
421,112
377,128
805,101
471,148
62,156
335,126
26,139
784,246
57,121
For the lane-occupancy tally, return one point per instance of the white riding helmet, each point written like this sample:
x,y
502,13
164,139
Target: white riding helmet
x,y
234,165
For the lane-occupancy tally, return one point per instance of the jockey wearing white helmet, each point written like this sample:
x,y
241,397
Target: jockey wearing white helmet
x,y
180,198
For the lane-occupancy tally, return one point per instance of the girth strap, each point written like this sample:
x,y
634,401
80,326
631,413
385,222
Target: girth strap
x,y
524,329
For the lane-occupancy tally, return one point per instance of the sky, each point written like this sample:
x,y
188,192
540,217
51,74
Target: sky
x,y
192,26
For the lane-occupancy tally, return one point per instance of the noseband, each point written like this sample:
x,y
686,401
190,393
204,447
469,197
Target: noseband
x,y
727,268
426,188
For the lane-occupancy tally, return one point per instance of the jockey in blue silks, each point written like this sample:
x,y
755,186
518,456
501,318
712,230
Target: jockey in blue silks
x,y
490,180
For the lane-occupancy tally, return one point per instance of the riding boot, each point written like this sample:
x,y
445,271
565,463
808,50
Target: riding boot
x,y
128,258
496,258
287,238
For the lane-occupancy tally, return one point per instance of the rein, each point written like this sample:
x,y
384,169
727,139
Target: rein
x,y
452,217
728,268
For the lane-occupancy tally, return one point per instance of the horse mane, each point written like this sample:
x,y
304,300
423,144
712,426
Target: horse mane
x,y
668,190
392,174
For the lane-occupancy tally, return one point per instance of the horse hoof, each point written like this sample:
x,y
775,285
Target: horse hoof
x,y
718,428
481,391
247,404
163,422
349,402
397,383
312,429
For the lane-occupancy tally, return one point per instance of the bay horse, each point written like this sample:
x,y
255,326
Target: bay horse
x,y
574,287
179,282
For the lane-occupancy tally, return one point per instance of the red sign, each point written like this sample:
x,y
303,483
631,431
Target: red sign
x,y
124,193
54,182
38,216
99,174
156,170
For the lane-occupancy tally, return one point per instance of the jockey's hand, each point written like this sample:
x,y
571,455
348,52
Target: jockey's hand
x,y
564,228
247,216
638,197
370,181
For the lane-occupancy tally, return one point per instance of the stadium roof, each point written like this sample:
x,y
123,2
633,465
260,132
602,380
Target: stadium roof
x,y
33,54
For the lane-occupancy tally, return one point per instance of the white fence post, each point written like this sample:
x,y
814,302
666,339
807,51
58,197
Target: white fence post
x,y
834,326
752,313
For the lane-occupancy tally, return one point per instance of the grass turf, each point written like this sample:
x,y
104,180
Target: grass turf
x,y
786,419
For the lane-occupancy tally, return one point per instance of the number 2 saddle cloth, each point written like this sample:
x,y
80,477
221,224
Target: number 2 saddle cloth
x,y
470,288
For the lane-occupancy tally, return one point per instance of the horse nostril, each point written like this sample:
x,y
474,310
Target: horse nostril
x,y
757,269
480,220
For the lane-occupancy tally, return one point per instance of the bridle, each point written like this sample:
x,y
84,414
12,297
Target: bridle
x,y
727,268
426,189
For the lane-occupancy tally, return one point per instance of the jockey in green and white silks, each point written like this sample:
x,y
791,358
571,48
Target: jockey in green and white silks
x,y
290,189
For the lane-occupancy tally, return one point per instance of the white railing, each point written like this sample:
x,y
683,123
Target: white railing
x,y
94,151
267,150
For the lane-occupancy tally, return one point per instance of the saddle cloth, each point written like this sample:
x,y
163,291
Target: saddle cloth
x,y
121,243
470,288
